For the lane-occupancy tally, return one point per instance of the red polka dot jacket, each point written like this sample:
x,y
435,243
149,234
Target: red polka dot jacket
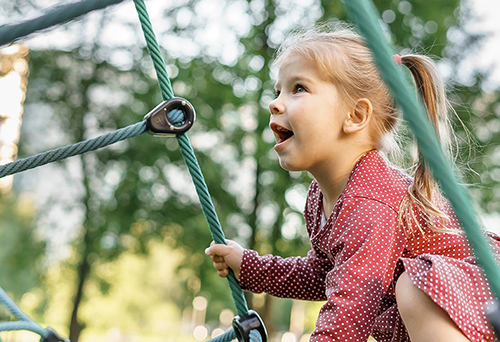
x,y
357,256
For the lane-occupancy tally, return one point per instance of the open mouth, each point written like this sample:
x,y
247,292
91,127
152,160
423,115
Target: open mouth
x,y
282,133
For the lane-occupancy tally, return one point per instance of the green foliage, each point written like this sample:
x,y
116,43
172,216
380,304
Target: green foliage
x,y
139,192
22,252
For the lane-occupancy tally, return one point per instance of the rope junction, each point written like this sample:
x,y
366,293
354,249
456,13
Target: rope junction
x,y
57,16
365,15
190,159
174,116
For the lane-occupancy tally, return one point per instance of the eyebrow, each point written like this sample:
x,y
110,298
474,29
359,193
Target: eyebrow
x,y
294,79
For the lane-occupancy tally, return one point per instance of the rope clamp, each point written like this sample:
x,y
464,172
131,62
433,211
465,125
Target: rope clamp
x,y
243,325
53,337
157,120
493,314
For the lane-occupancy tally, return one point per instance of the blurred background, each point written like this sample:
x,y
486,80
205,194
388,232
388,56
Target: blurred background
x,y
109,246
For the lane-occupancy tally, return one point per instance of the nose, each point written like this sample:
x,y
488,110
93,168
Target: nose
x,y
276,106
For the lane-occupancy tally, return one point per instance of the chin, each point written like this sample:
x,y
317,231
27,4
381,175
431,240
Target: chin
x,y
290,166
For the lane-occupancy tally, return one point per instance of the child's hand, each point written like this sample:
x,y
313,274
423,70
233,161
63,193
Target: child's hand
x,y
224,256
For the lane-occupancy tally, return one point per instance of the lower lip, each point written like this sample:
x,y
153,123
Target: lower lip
x,y
280,145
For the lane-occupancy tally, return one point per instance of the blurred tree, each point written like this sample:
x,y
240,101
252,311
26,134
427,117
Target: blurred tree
x,y
273,214
22,252
475,97
139,190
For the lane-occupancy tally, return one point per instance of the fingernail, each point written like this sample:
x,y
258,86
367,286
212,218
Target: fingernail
x,y
207,250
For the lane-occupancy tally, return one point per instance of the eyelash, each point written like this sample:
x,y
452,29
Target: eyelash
x,y
296,87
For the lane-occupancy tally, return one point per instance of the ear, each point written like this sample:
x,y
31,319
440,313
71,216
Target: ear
x,y
358,117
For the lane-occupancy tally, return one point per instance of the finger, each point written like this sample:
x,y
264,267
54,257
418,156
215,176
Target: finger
x,y
220,265
217,258
208,251
219,249
223,273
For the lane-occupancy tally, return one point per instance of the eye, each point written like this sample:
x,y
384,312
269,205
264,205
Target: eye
x,y
298,88
276,93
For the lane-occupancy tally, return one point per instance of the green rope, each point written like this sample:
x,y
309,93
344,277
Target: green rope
x,y
154,49
365,15
55,16
188,153
24,323
226,337
73,149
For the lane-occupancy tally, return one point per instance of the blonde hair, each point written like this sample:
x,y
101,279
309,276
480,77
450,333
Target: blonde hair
x,y
343,58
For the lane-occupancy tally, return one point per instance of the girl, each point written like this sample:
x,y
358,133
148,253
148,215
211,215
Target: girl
x,y
387,253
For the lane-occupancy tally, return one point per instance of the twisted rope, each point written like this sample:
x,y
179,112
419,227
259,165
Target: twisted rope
x,y
190,159
255,336
231,335
62,14
175,116
72,150
57,15
365,15
154,49
188,153
25,323
226,337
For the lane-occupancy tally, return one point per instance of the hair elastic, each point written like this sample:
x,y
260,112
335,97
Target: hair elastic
x,y
397,59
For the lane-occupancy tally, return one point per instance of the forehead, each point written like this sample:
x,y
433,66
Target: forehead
x,y
294,67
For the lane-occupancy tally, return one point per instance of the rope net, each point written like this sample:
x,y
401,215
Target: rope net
x,y
364,14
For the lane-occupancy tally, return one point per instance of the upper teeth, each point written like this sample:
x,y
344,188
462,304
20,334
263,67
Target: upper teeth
x,y
282,129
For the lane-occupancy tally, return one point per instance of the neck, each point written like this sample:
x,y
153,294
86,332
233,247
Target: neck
x,y
332,177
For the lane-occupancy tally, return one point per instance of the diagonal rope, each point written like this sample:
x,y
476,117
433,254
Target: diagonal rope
x,y
175,116
226,337
25,323
57,15
72,150
365,15
231,335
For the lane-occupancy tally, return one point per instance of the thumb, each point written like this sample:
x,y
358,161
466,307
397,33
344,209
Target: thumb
x,y
218,249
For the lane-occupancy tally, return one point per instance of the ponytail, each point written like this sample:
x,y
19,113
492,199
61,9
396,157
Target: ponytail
x,y
424,193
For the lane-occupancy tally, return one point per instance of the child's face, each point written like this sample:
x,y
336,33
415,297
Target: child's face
x,y
306,117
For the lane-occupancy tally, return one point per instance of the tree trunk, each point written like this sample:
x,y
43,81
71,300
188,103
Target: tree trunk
x,y
75,326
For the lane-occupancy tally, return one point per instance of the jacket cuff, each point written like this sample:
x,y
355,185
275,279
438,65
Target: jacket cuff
x,y
249,260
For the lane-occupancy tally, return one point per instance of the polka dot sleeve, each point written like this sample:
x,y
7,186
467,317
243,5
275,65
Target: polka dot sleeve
x,y
364,245
293,277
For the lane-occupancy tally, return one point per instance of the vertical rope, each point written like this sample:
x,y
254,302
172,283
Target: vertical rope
x,y
188,153
154,50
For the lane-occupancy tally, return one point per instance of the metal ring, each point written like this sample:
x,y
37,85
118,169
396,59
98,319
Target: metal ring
x,y
157,120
